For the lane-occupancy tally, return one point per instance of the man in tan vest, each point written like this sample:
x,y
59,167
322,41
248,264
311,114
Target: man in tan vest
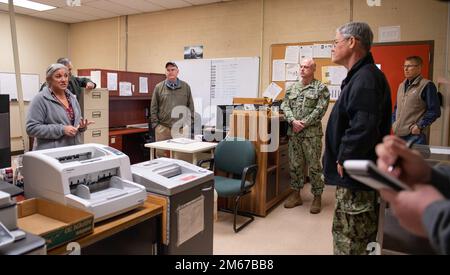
x,y
417,103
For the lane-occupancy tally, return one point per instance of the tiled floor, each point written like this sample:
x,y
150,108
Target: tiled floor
x,y
282,231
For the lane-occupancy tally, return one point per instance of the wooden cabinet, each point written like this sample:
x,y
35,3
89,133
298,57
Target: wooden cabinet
x,y
272,184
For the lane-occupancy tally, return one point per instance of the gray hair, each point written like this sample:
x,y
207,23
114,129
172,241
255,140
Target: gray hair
x,y
63,60
360,30
310,61
52,69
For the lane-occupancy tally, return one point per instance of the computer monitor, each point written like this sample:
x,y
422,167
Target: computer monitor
x,y
5,143
223,122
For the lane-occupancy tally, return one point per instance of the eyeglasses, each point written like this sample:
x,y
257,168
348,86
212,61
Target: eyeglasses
x,y
336,42
409,66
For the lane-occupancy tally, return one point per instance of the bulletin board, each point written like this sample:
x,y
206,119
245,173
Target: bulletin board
x,y
277,52
390,56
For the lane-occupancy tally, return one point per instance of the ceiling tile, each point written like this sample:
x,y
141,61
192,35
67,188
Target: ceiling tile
x,y
139,5
170,4
112,7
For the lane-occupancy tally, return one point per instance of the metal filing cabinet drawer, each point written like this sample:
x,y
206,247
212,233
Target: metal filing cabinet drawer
x,y
98,135
100,117
96,99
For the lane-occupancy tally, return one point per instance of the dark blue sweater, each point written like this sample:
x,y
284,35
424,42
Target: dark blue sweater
x,y
358,122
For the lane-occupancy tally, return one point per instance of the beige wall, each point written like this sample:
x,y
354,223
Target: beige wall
x,y
40,43
98,44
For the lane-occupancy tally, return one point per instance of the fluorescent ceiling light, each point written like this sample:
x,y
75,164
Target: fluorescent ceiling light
x,y
30,5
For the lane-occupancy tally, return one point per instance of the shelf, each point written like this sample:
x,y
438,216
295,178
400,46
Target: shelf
x,y
128,98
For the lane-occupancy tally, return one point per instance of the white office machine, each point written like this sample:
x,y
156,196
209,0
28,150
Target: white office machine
x,y
93,177
189,190
169,176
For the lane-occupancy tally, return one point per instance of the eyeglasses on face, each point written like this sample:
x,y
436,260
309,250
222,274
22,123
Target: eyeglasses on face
x,y
336,42
410,66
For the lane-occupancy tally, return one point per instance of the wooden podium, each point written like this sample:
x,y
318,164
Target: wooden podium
x,y
272,181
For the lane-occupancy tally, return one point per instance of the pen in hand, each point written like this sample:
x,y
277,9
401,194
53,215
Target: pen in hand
x,y
409,144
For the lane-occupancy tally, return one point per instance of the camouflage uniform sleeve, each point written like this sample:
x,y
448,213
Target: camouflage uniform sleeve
x,y
321,107
285,106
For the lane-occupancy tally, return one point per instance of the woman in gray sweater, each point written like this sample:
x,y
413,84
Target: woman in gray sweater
x,y
425,210
54,117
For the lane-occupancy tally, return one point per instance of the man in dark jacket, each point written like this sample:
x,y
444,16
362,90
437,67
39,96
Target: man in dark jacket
x,y
424,210
75,83
359,120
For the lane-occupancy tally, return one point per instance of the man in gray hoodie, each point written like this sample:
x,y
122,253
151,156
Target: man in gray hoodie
x,y
425,210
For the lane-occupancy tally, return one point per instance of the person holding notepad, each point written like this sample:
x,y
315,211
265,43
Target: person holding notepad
x,y
424,210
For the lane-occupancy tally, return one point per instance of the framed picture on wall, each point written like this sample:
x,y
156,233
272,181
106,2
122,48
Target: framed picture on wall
x,y
193,52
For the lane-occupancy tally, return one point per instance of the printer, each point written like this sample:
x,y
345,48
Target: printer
x,y
189,192
169,176
92,177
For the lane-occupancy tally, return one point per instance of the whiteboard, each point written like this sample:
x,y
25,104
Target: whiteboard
x,y
216,81
30,85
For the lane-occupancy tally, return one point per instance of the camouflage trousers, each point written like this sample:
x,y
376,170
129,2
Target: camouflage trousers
x,y
305,152
355,221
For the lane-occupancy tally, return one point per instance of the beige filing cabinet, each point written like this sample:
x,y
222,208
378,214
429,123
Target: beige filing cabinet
x,y
95,107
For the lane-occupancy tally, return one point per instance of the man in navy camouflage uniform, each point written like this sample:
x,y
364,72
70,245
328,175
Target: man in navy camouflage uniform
x,y
304,105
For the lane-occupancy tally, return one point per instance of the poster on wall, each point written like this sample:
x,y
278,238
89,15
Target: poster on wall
x,y
193,52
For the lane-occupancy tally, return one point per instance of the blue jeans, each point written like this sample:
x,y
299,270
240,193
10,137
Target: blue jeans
x,y
422,138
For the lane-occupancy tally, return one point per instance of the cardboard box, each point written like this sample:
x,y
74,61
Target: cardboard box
x,y
56,223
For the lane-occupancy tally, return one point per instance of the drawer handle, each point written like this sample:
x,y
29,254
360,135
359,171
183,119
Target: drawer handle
x,y
96,114
96,133
96,95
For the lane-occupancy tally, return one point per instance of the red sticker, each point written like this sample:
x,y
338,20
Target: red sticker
x,y
188,178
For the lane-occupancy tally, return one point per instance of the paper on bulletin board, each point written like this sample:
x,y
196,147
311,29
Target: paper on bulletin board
x,y
333,75
322,50
96,77
125,89
292,72
278,70
335,91
191,221
272,91
143,85
389,34
112,81
306,52
292,54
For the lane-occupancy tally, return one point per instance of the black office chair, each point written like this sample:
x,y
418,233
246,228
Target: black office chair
x,y
237,157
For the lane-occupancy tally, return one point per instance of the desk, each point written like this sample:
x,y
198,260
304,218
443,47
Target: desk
x,y
108,228
190,148
129,141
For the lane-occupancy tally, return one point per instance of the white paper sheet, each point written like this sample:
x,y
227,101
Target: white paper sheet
x,y
292,72
322,50
190,217
272,91
335,91
292,54
143,85
125,89
333,75
96,77
306,52
278,70
389,34
112,81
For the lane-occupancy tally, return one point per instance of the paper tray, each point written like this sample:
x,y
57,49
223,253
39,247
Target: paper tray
x,y
56,223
